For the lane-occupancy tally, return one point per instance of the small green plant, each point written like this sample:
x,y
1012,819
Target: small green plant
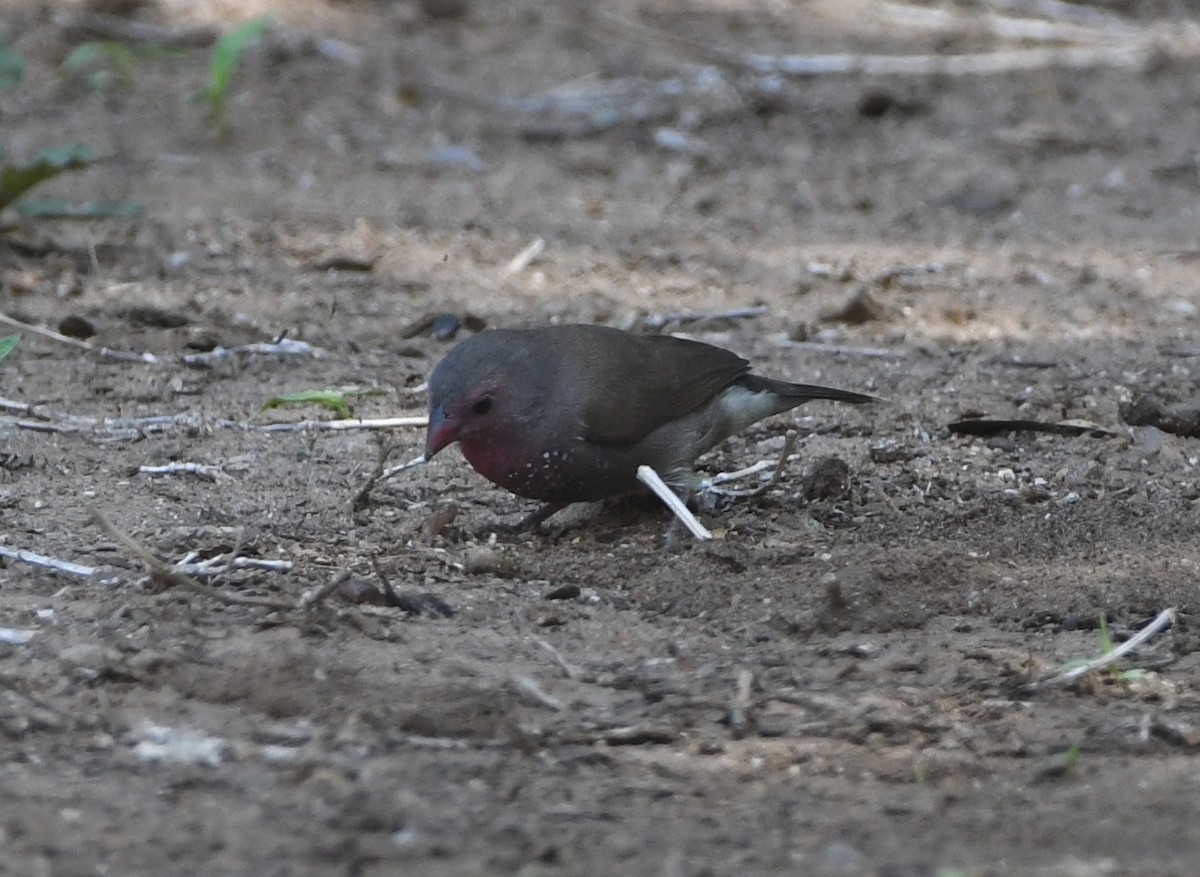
x,y
17,179
1122,677
7,344
1056,765
225,55
102,65
1106,646
12,68
334,400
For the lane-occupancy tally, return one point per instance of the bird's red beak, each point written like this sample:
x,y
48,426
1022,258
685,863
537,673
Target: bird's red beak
x,y
440,433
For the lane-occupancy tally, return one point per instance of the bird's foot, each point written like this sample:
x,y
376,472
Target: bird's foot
x,y
710,485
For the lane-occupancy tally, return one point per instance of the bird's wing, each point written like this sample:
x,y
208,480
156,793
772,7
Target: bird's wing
x,y
645,381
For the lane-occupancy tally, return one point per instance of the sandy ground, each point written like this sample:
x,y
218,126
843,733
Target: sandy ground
x,y
843,682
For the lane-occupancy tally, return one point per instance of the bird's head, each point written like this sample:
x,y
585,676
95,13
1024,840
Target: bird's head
x,y
477,394
458,416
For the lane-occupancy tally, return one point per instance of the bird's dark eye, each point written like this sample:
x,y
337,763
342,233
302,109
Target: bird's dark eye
x,y
483,406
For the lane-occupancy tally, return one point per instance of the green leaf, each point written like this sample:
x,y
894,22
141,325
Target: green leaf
x,y
17,179
12,68
334,400
57,208
7,343
225,55
101,65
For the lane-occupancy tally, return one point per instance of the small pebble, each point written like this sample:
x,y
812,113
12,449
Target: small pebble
x,y
488,561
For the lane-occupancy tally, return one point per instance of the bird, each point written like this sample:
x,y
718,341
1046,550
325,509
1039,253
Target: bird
x,y
567,413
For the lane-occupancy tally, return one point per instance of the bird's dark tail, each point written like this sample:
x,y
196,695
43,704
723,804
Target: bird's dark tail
x,y
802,392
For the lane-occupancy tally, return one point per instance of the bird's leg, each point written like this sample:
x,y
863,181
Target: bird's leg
x,y
529,522
533,519
525,524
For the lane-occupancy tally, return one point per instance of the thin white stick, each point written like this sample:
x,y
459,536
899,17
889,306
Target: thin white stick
x,y
651,479
219,566
841,349
982,64
74,569
1058,10
1141,46
659,321
396,470
569,669
62,422
212,473
282,347
336,425
1164,620
522,260
123,355
529,687
1002,26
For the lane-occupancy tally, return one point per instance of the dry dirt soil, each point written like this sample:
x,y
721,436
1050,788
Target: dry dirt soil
x,y
848,680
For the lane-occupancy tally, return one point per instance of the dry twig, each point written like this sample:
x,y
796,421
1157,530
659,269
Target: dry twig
x,y
569,670
35,559
164,573
200,470
529,687
1163,620
122,355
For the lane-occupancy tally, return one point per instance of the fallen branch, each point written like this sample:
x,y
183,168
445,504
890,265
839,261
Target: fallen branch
x,y
658,322
30,557
569,670
380,474
582,109
529,687
280,347
335,425
840,349
135,427
1165,619
217,566
523,259
1132,48
165,574
1130,57
201,470
122,355
1006,27
1057,10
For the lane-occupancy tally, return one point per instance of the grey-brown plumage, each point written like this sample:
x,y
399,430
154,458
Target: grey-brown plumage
x,y
567,413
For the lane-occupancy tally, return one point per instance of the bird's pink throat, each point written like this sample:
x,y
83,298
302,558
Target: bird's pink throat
x,y
486,457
